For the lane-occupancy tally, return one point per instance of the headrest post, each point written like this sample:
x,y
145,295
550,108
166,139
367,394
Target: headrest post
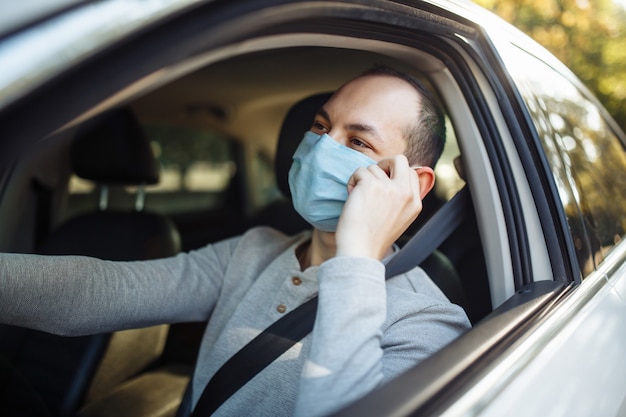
x,y
140,201
104,197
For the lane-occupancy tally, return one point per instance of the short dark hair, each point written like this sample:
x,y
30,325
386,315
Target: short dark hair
x,y
427,136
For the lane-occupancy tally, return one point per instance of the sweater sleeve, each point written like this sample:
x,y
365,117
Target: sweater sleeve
x,y
77,295
354,348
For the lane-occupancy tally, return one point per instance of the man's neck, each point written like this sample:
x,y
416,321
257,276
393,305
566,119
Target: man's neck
x,y
321,248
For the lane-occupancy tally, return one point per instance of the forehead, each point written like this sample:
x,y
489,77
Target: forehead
x,y
376,100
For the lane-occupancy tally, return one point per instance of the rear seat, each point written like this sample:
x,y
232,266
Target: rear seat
x,y
69,372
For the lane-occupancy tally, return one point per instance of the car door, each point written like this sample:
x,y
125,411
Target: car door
x,y
557,361
584,150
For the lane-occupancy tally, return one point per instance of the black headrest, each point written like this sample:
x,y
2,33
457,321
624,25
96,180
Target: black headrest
x,y
113,148
297,121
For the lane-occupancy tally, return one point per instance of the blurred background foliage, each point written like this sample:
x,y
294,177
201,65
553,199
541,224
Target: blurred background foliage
x,y
589,36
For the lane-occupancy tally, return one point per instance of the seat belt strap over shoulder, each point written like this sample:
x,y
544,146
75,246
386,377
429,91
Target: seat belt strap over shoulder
x,y
294,326
430,236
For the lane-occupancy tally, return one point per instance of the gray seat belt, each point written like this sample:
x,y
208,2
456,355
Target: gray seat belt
x,y
291,328
437,229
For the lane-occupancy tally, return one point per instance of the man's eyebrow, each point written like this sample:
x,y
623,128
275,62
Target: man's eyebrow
x,y
372,132
358,127
323,113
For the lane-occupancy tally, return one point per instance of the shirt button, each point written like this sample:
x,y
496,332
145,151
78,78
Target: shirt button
x,y
296,281
281,308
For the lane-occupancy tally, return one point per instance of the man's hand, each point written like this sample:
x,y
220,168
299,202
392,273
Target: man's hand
x,y
383,201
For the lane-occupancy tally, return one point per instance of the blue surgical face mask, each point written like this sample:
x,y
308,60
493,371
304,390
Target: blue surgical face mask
x,y
319,176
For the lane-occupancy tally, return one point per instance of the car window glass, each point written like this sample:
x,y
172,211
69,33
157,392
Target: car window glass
x,y
587,159
197,167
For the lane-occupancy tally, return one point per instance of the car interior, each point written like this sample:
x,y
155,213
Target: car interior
x,y
174,163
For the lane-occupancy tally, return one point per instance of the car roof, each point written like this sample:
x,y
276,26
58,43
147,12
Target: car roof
x,y
17,15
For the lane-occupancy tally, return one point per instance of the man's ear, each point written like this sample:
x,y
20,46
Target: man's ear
x,y
426,177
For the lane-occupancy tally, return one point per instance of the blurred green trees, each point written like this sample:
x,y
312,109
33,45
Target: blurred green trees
x,y
589,36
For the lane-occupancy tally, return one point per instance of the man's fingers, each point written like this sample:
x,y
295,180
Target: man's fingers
x,y
399,171
396,170
363,173
388,165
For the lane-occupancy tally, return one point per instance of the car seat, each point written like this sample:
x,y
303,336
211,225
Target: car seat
x,y
111,150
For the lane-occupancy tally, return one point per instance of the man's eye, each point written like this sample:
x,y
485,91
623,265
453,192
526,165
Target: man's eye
x,y
318,127
359,143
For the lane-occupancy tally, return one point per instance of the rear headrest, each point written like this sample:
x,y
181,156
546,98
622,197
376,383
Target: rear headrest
x,y
297,121
113,149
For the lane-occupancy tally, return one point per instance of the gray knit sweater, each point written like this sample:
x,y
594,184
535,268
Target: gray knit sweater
x,y
366,331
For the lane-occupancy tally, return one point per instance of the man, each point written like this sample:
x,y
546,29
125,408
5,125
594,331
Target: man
x,y
351,179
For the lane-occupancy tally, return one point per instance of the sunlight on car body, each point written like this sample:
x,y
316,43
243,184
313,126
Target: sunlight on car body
x,y
70,38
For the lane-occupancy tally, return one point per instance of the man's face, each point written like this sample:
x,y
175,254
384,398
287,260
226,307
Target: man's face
x,y
371,115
